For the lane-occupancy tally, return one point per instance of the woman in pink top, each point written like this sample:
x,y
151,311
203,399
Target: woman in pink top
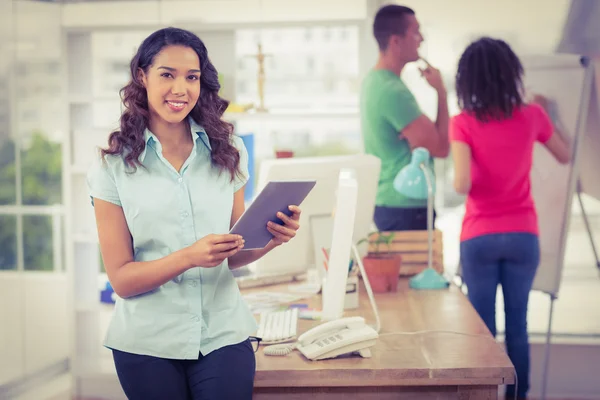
x,y
492,142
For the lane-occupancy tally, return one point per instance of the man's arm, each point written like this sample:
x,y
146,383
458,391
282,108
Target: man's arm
x,y
424,133
443,118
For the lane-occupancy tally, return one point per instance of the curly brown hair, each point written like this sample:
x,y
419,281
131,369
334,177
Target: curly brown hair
x,y
489,80
128,141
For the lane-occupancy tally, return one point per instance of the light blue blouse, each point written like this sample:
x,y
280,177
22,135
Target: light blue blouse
x,y
201,310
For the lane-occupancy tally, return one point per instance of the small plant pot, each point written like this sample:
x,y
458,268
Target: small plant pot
x,y
383,271
284,154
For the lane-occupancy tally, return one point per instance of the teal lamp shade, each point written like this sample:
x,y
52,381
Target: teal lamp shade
x,y
412,182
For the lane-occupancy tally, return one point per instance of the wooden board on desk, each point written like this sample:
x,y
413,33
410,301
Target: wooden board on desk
x,y
413,246
430,363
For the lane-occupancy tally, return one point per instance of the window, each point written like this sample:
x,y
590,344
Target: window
x,y
8,242
31,212
311,89
111,53
305,67
8,187
40,186
37,249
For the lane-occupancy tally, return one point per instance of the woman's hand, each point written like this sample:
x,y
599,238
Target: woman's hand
x,y
284,233
212,250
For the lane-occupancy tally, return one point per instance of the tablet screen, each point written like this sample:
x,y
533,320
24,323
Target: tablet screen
x,y
275,197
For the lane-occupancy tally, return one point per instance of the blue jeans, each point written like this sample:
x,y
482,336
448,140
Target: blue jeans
x,y
226,373
509,260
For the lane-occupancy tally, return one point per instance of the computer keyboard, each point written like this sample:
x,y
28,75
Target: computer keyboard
x,y
278,326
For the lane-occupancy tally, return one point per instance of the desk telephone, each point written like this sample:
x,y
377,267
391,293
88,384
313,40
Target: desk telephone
x,y
334,338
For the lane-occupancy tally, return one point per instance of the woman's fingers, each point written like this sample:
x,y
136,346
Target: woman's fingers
x,y
281,232
226,247
288,221
295,212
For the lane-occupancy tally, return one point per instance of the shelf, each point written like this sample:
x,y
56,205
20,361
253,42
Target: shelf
x,y
80,98
280,114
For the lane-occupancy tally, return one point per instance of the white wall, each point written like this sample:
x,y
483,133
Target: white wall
x,y
12,360
46,336
181,12
34,331
532,25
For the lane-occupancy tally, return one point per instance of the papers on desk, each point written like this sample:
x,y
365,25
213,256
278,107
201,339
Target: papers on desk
x,y
308,288
269,301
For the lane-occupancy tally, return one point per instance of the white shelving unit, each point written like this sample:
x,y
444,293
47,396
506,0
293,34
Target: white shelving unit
x,y
283,114
87,352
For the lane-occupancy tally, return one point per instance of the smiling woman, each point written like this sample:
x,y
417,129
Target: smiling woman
x,y
180,321
171,77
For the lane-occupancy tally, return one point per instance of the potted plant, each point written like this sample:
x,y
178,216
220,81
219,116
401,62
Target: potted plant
x,y
382,268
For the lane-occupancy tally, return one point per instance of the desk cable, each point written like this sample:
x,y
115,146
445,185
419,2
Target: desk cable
x,y
286,348
486,335
279,349
367,284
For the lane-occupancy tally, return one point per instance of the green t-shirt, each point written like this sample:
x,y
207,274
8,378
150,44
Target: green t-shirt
x,y
386,107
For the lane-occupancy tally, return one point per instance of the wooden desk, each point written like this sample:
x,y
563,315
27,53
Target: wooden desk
x,y
433,365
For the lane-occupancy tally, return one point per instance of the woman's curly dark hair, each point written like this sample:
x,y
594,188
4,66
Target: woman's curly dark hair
x,y
129,139
489,80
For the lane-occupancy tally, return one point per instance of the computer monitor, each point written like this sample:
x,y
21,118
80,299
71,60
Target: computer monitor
x,y
336,275
343,249
316,222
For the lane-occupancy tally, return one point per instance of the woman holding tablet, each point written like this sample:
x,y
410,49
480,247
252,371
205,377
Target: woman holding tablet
x,y
166,191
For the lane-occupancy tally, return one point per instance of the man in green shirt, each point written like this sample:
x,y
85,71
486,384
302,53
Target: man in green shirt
x,y
392,122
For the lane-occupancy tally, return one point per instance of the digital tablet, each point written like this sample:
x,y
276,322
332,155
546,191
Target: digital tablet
x,y
275,197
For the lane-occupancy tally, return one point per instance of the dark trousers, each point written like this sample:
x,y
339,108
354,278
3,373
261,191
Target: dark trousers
x,y
509,260
226,373
401,219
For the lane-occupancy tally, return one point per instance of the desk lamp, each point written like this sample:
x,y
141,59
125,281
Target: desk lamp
x,y
416,181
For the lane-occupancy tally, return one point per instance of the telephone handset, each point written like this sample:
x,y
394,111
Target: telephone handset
x,y
334,338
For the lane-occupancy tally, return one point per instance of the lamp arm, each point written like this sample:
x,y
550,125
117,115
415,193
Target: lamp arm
x,y
428,179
